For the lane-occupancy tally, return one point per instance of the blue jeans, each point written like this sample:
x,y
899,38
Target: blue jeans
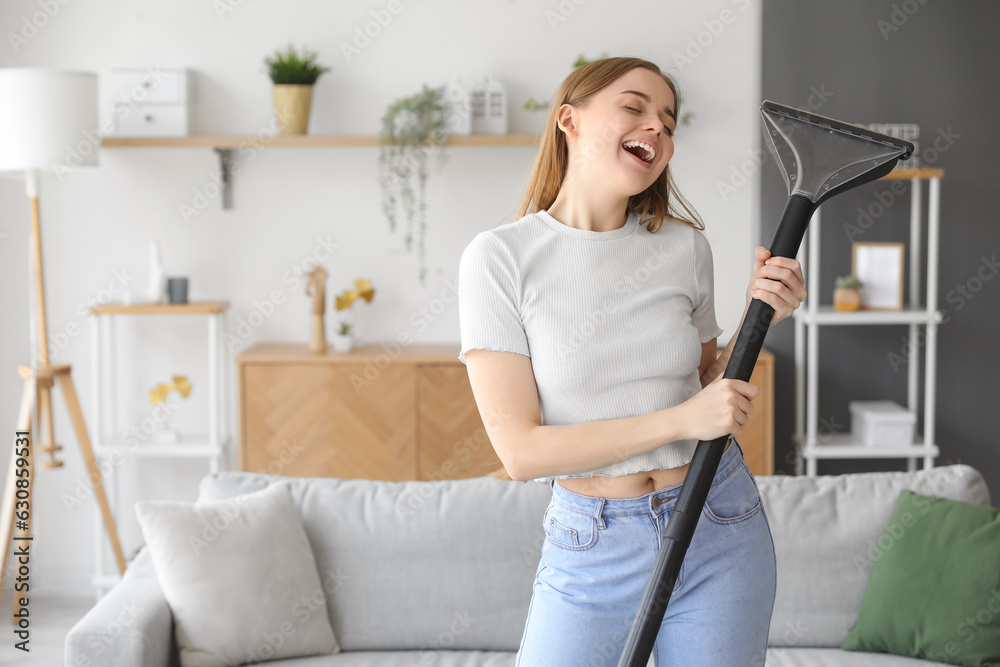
x,y
597,558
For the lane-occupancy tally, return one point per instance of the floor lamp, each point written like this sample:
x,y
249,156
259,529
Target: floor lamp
x,y
48,121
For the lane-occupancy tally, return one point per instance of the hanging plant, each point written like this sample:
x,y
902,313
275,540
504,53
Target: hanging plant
x,y
412,129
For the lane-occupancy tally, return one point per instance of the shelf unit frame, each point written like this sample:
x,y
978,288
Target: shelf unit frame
x,y
216,445
808,448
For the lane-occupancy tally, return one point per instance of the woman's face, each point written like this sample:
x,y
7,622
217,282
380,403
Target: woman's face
x,y
616,117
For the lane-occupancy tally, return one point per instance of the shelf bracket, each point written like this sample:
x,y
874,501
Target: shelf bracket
x,y
226,170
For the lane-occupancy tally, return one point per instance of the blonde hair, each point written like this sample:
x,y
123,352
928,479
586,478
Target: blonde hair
x,y
656,203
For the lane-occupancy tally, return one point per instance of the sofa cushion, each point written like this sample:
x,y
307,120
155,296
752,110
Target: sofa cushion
x,y
417,565
240,578
819,657
441,658
934,590
826,531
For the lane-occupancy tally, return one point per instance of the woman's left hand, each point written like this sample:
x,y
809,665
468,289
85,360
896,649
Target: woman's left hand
x,y
778,282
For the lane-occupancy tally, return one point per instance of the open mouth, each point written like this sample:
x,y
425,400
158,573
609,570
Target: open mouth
x,y
640,151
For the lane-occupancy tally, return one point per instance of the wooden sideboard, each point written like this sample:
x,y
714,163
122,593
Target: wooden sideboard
x,y
394,413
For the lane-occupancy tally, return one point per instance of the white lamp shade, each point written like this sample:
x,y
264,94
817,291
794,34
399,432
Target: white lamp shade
x,y
48,119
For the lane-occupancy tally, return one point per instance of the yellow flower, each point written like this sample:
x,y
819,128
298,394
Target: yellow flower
x,y
345,300
182,385
159,394
362,288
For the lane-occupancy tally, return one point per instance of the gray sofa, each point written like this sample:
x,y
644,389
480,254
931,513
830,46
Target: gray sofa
x,y
440,573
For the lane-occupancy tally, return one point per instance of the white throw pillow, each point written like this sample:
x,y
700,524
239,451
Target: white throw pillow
x,y
240,578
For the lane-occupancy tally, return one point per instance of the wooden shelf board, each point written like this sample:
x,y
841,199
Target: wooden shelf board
x,y
846,446
923,174
191,447
827,314
281,352
192,308
304,141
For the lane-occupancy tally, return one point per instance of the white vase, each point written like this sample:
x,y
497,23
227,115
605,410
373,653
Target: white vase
x,y
156,287
342,342
165,433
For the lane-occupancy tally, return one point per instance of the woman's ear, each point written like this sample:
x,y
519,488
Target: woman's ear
x,y
565,120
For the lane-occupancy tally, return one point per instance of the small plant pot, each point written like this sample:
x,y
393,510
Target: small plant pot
x,y
165,434
342,342
846,300
292,103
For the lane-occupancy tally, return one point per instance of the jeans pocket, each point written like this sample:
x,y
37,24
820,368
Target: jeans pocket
x,y
569,529
734,498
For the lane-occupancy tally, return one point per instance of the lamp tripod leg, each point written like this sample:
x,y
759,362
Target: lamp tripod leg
x,y
76,415
10,490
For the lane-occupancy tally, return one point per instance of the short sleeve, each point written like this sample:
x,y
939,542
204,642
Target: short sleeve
x,y
488,312
703,315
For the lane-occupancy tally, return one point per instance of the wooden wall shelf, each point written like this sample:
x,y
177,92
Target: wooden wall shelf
x,y
303,141
190,308
224,145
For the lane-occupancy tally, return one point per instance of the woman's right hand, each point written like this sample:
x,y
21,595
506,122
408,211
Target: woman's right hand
x,y
721,408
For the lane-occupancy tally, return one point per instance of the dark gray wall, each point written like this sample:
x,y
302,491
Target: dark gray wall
x,y
933,63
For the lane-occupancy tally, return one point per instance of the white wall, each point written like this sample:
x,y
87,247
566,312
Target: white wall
x,y
286,200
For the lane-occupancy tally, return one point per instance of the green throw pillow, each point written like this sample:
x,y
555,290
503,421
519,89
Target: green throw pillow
x,y
934,590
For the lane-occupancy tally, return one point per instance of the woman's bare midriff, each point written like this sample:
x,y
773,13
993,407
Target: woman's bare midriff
x,y
628,486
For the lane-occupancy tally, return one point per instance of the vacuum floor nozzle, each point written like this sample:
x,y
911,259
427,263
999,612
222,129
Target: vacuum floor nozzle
x,y
820,156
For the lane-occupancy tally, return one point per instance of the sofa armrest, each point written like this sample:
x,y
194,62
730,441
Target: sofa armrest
x,y
130,626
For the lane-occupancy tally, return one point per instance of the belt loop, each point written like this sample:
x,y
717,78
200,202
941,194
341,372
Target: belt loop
x,y
598,512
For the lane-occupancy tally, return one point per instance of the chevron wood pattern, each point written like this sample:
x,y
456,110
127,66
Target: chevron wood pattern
x,y
452,442
410,415
312,421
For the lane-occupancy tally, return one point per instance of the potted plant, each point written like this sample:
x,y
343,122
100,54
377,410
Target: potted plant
x,y
158,397
293,76
846,296
409,124
343,336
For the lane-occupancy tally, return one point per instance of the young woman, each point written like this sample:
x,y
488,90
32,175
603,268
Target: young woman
x,y
589,333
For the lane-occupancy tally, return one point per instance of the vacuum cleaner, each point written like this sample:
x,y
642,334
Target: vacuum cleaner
x,y
819,157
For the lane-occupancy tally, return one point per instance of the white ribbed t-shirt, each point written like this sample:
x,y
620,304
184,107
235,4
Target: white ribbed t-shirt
x,y
613,321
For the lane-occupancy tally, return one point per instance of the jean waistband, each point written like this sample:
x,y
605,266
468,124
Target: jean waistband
x,y
654,502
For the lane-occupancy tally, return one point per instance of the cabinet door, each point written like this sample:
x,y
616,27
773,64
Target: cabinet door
x,y
757,439
330,420
452,441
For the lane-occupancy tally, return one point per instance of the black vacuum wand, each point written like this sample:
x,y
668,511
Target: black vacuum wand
x,y
818,157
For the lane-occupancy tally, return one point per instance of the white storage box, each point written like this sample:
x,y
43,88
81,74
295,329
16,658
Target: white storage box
x,y
150,101
881,423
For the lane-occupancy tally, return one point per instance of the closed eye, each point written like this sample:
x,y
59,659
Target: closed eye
x,y
670,132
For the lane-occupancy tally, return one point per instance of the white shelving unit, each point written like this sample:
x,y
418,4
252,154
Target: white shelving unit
x,y
810,446
212,445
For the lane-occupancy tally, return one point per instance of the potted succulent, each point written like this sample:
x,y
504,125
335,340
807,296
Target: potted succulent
x,y
846,296
343,336
293,76
412,128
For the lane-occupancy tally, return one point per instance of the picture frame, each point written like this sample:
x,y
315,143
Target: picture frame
x,y
879,267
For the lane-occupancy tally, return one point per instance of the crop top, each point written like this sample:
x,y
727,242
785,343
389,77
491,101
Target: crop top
x,y
613,321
